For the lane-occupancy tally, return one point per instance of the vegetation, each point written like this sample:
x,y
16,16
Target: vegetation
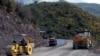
x,y
11,23
10,4
62,18
90,7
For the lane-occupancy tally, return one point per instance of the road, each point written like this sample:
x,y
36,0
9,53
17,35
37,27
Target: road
x,y
64,48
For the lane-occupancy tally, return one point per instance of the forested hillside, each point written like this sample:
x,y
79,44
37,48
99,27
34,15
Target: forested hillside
x,y
62,18
90,7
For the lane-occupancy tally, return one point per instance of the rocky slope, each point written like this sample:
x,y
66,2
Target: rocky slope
x,y
11,23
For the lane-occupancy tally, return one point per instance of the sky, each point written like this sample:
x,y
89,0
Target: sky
x,y
93,1
73,1
77,1
65,0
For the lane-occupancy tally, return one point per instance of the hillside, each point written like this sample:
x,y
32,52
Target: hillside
x,y
12,23
62,18
90,7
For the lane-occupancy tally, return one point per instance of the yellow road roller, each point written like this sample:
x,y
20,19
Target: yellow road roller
x,y
20,46
82,39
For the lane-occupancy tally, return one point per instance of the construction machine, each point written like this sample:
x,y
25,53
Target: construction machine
x,y
21,45
43,34
82,39
52,41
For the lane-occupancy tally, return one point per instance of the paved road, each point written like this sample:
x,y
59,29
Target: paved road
x,y
64,48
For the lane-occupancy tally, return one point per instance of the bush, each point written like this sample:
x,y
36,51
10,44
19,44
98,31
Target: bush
x,y
10,4
24,12
4,2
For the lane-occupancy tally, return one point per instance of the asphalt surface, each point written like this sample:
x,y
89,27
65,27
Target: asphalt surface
x,y
63,48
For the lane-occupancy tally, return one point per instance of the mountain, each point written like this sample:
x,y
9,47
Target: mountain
x,y
90,7
63,19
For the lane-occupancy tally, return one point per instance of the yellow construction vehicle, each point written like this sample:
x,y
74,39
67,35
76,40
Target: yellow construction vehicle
x,y
20,46
82,39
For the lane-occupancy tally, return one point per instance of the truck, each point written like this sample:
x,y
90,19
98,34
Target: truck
x,y
52,41
82,39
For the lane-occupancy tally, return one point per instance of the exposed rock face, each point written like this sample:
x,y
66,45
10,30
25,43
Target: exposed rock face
x,y
11,23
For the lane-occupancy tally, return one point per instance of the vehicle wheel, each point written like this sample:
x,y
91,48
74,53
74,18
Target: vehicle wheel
x,y
8,50
75,46
50,44
29,50
91,45
87,45
54,44
8,54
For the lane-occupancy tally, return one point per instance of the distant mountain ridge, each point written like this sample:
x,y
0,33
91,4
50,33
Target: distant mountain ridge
x,y
90,7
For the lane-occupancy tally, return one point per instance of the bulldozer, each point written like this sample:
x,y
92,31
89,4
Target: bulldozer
x,y
82,39
20,46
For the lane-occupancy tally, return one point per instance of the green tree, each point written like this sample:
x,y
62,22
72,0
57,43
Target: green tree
x,y
4,2
10,4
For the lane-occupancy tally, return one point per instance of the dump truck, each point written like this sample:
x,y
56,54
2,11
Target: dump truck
x,y
52,41
82,39
20,45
